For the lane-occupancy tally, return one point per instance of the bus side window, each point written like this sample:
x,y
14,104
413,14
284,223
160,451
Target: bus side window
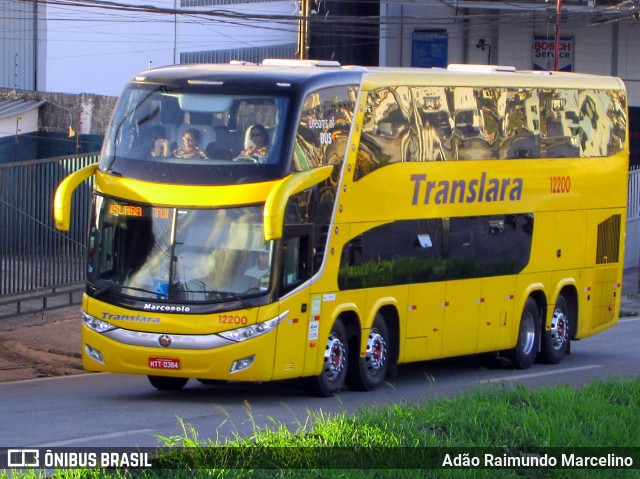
x,y
296,257
388,131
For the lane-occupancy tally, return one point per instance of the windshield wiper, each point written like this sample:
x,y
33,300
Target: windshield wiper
x,y
113,172
224,294
142,290
121,287
237,297
104,289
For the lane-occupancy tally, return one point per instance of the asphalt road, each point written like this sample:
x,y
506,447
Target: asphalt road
x,y
109,410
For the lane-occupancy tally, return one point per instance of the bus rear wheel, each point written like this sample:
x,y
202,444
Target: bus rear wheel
x,y
524,354
372,367
555,341
334,368
167,383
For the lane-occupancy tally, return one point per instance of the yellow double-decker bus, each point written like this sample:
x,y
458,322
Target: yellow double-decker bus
x,y
302,219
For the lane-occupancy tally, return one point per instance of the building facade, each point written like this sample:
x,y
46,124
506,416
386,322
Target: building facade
x,y
596,37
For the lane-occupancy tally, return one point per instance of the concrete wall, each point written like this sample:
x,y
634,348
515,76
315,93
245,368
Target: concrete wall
x,y
86,113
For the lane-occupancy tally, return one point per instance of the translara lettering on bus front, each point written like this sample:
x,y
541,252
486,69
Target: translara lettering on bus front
x,y
477,190
129,317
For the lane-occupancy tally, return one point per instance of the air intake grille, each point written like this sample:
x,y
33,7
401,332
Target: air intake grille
x,y
609,240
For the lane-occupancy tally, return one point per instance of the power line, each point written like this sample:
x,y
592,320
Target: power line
x,y
374,27
231,15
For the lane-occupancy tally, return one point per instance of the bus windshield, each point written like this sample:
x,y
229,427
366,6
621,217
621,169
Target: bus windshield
x,y
195,135
178,255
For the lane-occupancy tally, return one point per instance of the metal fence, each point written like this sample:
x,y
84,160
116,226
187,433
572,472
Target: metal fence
x,y
633,207
248,54
40,267
632,238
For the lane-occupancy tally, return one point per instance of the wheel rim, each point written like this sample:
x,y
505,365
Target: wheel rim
x,y
334,357
376,356
559,332
528,334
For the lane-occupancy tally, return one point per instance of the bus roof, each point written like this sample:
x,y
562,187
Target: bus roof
x,y
296,72
482,77
247,74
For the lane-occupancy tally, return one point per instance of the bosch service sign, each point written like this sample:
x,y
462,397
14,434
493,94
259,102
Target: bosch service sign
x,y
544,53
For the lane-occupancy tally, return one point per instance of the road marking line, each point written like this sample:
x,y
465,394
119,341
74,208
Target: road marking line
x,y
534,375
93,438
628,319
54,378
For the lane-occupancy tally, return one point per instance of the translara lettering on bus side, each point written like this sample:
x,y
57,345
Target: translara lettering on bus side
x,y
462,191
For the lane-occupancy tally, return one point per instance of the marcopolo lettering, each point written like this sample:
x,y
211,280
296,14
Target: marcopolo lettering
x,y
476,190
166,308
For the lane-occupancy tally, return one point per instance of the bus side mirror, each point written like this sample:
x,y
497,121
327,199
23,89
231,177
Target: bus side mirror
x,y
62,198
275,206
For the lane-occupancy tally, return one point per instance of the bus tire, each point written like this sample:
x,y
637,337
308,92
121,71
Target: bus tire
x,y
372,368
334,368
523,355
167,383
555,341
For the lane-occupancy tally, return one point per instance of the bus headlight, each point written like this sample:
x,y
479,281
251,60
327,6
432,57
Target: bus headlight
x,y
96,324
241,364
253,331
94,354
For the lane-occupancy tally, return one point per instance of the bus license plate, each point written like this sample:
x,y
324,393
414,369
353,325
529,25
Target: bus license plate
x,y
164,363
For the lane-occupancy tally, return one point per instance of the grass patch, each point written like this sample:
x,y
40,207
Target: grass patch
x,y
397,441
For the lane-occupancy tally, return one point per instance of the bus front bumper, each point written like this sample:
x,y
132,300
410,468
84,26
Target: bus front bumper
x,y
188,356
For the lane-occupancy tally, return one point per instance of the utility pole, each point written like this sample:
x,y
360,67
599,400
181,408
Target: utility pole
x,y
303,30
78,134
556,53
175,32
15,151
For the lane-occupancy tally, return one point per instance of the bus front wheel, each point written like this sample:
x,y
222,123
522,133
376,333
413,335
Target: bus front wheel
x,y
166,383
334,368
526,349
555,341
372,367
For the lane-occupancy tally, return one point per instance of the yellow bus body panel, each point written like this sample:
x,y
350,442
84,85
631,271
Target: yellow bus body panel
x,y
182,195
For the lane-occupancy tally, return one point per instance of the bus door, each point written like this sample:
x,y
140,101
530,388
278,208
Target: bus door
x,y
497,317
461,307
425,316
295,268
460,252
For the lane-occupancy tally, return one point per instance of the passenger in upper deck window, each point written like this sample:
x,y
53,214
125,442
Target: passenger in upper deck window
x,y
191,149
260,139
